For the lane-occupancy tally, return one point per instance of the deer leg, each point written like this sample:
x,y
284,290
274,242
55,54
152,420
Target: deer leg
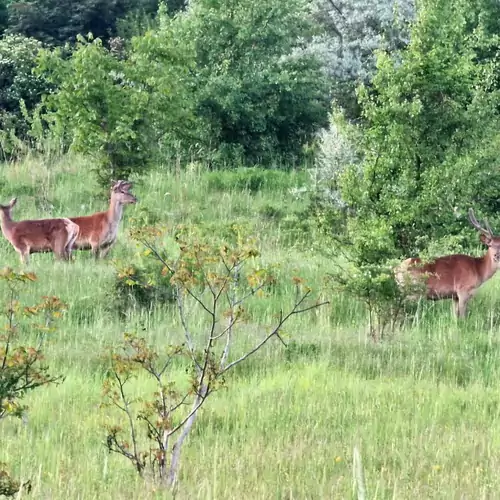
x,y
69,245
104,251
463,298
24,253
24,256
95,250
59,249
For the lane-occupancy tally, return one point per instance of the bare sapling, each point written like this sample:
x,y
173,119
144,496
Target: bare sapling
x,y
456,277
38,236
98,232
219,283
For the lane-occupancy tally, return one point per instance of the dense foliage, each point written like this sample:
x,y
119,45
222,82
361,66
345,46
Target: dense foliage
x,y
119,109
222,81
430,132
17,82
257,95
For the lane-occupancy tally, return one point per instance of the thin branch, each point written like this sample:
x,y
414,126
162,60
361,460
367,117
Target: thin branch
x,y
127,412
311,307
200,399
178,405
152,427
253,291
189,421
233,321
275,331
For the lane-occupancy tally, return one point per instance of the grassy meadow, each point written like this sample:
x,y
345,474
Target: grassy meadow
x,y
423,405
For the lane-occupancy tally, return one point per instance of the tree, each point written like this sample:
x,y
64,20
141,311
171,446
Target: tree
x,y
257,96
427,148
119,109
354,30
22,368
220,282
431,131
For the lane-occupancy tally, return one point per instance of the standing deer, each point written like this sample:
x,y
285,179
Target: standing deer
x,y
98,231
37,236
456,277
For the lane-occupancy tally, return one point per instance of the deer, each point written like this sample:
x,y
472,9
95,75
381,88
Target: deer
x,y
98,231
38,236
457,276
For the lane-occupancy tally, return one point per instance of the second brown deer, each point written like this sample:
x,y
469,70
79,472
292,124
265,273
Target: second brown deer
x,y
98,232
457,276
36,236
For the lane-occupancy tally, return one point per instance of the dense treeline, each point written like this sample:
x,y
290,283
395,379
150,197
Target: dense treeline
x,y
228,81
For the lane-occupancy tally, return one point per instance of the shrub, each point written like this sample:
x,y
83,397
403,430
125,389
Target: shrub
x,y
119,109
18,56
258,98
137,286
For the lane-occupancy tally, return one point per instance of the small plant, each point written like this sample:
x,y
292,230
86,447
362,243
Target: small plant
x,y
136,286
221,281
364,262
21,368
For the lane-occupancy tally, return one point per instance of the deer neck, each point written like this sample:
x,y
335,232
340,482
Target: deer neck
x,y
6,223
115,212
488,266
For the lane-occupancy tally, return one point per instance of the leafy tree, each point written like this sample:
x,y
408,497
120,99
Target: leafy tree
x,y
431,134
427,148
354,30
257,95
119,109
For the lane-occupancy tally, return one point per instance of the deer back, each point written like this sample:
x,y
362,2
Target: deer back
x,y
92,228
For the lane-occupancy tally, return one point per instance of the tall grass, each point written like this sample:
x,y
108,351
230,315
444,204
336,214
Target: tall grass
x,y
422,405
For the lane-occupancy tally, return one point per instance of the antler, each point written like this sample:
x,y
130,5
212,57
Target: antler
x,y
472,218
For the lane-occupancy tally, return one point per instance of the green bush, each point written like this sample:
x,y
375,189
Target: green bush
x,y
258,96
119,109
425,152
137,286
18,56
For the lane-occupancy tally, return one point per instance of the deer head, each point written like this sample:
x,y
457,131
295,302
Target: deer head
x,y
487,237
120,192
6,209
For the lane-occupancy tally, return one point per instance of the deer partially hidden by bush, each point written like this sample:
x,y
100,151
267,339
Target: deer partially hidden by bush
x,y
36,236
98,231
456,277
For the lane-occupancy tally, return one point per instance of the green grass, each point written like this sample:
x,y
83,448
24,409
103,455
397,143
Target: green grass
x,y
422,405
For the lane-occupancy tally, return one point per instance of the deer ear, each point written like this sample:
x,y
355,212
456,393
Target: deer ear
x,y
12,202
485,239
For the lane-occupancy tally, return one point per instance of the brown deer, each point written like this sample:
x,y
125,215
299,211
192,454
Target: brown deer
x,y
37,236
456,277
98,231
